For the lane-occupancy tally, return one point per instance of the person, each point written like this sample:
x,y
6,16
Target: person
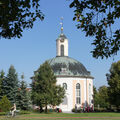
x,y
13,109
75,108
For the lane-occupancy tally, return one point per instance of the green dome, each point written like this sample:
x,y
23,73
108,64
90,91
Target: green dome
x,y
66,66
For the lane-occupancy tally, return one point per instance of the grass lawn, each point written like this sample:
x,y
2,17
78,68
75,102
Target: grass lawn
x,y
65,116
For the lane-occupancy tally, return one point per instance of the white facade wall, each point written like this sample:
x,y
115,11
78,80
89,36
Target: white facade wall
x,y
90,94
85,92
71,93
68,94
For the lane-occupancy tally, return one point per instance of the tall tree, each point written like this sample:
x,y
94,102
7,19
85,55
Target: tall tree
x,y
22,96
44,89
17,15
95,96
103,96
10,84
113,79
2,77
96,18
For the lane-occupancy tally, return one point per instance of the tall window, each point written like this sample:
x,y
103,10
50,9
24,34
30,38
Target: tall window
x,y
65,86
90,94
78,94
62,50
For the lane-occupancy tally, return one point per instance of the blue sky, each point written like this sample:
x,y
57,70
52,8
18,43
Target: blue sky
x,y
39,44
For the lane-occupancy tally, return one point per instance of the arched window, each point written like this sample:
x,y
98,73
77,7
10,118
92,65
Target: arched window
x,y
62,50
78,94
89,94
65,101
65,86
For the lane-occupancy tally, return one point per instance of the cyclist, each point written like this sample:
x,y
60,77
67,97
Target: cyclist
x,y
13,109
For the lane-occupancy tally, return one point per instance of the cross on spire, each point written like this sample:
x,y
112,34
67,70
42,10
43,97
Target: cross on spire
x,y
61,25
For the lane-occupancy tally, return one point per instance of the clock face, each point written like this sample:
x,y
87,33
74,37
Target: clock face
x,y
62,40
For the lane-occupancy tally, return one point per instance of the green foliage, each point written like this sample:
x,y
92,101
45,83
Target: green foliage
x,y
96,18
2,113
10,85
114,84
2,77
5,104
77,111
58,95
101,97
44,89
22,96
17,15
24,112
95,96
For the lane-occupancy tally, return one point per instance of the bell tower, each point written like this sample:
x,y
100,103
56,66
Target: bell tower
x,y
62,43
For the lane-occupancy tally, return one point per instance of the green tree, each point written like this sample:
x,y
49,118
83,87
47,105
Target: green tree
x,y
58,95
22,96
10,85
5,104
44,89
96,18
95,96
103,97
2,77
113,79
17,15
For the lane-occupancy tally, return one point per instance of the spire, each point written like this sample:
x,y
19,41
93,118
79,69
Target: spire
x,y
62,43
61,25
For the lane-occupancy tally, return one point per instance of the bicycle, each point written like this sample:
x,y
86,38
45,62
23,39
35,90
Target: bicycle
x,y
9,114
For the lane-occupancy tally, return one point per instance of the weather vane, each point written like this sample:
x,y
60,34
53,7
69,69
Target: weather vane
x,y
61,24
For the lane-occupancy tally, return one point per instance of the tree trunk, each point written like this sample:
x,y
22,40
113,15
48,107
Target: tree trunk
x,y
41,109
46,109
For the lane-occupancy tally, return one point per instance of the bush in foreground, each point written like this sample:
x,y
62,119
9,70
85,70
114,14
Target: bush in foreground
x,y
5,104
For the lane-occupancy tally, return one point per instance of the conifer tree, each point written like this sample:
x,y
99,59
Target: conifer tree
x,y
10,84
23,98
44,89
2,77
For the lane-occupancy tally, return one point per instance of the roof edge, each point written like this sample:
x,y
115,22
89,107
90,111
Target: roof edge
x,y
74,76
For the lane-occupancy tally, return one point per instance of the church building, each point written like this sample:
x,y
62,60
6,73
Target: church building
x,y
73,76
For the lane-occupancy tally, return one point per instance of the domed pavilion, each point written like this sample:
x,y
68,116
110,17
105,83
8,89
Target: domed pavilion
x,y
73,76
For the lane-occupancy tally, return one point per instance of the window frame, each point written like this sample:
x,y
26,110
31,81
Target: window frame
x,y
65,86
62,50
90,93
78,93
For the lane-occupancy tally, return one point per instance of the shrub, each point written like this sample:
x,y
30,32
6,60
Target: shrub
x,y
77,111
5,104
24,112
73,110
2,113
